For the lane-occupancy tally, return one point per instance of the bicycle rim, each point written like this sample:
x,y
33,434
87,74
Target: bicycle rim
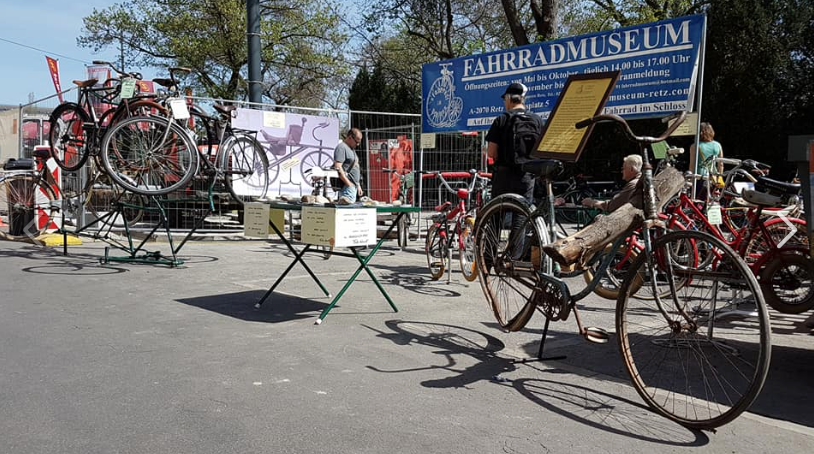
x,y
787,282
467,254
69,139
504,239
142,156
245,168
27,209
436,250
700,355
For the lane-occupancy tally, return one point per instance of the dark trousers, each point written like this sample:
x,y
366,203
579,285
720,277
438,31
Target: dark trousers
x,y
509,180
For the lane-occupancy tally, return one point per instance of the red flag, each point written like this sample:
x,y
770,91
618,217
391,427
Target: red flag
x,y
53,66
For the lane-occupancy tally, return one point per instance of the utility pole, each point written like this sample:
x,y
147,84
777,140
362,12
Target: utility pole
x,y
253,33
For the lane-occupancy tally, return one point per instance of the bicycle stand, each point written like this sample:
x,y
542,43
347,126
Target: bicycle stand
x,y
159,206
539,356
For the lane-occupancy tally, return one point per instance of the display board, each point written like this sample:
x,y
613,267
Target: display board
x,y
583,97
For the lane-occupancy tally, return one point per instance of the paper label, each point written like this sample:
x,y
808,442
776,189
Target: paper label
x,y
714,214
128,88
256,220
179,109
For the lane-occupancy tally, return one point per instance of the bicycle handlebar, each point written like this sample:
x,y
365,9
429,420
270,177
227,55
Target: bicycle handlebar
x,y
135,75
474,174
678,117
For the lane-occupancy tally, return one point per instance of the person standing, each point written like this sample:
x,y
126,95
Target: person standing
x,y
346,163
708,149
507,175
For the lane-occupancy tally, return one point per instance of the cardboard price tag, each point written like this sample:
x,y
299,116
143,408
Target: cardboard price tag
x,y
128,88
714,215
178,106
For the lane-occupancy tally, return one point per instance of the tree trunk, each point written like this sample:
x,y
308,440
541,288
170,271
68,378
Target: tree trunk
x,y
581,246
515,24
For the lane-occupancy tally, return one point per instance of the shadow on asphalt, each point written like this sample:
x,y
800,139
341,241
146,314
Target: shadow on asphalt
x,y
278,308
52,262
580,404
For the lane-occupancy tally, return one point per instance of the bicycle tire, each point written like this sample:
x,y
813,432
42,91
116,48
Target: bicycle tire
x,y
101,197
787,282
684,358
245,166
504,237
436,251
467,255
611,282
778,230
200,124
403,230
70,136
313,159
142,156
27,207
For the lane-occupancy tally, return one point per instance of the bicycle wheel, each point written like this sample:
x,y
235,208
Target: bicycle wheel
x,y
613,277
403,230
778,231
245,168
468,253
27,207
149,155
436,250
787,282
202,130
101,200
691,356
70,136
504,240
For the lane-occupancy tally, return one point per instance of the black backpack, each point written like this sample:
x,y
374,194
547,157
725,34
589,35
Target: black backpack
x,y
525,130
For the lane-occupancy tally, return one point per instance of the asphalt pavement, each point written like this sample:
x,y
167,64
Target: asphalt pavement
x,y
138,358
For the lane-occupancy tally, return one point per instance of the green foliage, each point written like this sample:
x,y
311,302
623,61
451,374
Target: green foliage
x,y
759,68
301,44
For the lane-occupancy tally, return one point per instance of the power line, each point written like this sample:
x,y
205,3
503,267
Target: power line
x,y
44,51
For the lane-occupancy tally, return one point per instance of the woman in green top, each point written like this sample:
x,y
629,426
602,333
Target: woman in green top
x,y
708,148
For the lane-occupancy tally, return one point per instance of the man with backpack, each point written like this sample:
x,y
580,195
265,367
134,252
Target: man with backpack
x,y
511,139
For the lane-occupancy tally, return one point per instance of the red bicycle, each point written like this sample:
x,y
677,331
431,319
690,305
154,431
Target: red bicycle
x,y
454,224
775,249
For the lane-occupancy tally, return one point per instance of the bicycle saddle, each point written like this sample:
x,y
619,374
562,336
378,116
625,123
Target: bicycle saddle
x,y
85,83
225,110
765,184
164,82
41,152
546,169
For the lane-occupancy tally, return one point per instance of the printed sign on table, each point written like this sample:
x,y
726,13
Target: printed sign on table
x,y
338,227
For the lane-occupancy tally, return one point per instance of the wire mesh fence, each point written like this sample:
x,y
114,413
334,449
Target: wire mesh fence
x,y
295,140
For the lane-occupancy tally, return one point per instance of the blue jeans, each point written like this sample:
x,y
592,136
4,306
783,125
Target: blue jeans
x,y
349,192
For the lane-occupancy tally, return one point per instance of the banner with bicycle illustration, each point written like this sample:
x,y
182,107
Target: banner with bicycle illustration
x,y
294,144
658,63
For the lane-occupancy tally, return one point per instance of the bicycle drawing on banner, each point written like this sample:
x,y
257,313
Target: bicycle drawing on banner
x,y
294,145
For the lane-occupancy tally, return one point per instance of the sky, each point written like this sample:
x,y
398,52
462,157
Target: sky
x,y
50,26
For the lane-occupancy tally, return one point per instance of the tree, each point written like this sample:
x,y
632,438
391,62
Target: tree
x,y
301,44
759,68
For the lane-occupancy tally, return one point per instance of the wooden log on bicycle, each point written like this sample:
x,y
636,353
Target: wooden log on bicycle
x,y
581,246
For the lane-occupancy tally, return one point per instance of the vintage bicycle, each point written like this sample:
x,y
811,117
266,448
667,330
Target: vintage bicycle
x,y
453,225
404,197
687,363
76,129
